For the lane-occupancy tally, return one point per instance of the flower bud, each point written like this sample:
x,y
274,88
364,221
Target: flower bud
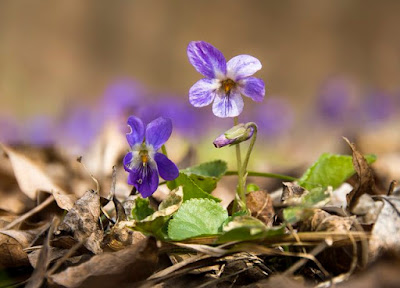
x,y
235,135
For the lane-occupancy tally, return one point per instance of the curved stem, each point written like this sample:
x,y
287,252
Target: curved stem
x,y
250,149
263,174
241,192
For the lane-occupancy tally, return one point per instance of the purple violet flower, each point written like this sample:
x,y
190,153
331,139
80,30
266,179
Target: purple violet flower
x,y
225,80
143,162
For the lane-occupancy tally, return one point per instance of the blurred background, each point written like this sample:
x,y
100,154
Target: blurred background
x,y
331,68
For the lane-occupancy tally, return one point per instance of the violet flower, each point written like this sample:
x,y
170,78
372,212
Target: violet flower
x,y
224,81
143,162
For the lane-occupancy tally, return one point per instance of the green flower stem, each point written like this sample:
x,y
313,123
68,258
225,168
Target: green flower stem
x,y
262,174
250,149
241,192
164,150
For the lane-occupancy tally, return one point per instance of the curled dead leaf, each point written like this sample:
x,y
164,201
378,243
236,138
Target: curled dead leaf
x,y
82,221
365,183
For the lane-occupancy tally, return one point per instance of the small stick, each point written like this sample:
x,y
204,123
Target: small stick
x,y
28,214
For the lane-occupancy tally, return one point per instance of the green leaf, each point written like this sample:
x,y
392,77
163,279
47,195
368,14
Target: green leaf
x,y
330,170
197,217
297,213
154,223
190,188
141,209
215,169
244,228
207,175
252,187
316,197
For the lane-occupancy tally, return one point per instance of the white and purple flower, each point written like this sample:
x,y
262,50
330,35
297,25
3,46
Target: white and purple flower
x,y
225,81
143,162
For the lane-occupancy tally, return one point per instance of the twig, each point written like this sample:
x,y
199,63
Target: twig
x,y
318,249
28,214
58,264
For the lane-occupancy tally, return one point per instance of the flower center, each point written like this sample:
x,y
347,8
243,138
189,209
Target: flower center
x,y
144,157
228,85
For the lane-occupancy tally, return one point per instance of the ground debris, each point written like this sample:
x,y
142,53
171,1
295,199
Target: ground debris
x,y
82,221
112,269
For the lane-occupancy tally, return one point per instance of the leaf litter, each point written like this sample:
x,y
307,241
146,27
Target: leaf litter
x,y
303,238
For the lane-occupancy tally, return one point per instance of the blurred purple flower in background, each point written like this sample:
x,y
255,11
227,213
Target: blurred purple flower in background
x,y
79,128
378,107
273,118
336,102
40,131
121,98
225,81
185,119
143,162
10,132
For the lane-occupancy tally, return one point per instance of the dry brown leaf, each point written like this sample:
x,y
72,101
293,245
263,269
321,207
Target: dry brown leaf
x,y
261,207
82,221
386,231
121,236
323,221
365,183
112,269
12,243
11,253
291,193
31,178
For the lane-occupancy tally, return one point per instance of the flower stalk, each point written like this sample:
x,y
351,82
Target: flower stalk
x,y
240,190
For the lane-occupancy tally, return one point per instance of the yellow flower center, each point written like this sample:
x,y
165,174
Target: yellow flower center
x,y
228,85
144,157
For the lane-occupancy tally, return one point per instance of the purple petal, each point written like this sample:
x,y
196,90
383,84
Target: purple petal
x,y
206,59
166,168
158,132
228,105
136,135
145,179
252,87
203,92
128,162
242,66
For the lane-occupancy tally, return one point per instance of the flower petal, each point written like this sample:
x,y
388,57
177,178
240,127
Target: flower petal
x,y
145,179
202,92
166,168
252,87
206,59
242,66
136,135
128,162
228,105
158,132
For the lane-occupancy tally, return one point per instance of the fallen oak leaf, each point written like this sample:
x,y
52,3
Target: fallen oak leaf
x,y
112,269
365,181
